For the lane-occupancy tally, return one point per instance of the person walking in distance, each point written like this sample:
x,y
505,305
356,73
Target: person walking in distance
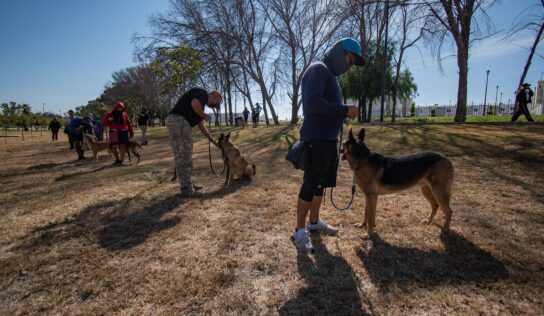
x,y
143,118
121,131
54,126
523,97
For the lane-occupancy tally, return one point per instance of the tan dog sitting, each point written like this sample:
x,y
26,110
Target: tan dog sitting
x,y
97,146
235,162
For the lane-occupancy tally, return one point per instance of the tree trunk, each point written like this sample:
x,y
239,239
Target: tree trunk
x,y
229,98
294,95
369,117
462,62
361,113
530,58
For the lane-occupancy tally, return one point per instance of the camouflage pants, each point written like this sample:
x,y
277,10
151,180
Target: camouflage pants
x,y
181,140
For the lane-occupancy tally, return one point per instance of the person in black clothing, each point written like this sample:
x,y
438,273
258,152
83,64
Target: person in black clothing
x,y
523,97
143,118
245,113
66,131
54,126
187,113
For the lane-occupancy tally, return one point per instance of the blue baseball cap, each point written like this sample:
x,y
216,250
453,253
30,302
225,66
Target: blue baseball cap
x,y
353,46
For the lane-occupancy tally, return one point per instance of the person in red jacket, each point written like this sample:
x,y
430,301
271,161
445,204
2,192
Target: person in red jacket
x,y
120,131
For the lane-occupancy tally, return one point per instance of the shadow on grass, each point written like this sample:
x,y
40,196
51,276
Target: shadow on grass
x,y
463,262
331,286
124,229
119,224
81,173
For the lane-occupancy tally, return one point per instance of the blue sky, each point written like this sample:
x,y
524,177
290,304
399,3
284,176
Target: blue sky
x,y
61,53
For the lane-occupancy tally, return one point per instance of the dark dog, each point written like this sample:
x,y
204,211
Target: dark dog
x,y
134,148
235,162
378,175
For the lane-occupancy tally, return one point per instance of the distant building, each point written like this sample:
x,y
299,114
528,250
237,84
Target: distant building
x,y
538,98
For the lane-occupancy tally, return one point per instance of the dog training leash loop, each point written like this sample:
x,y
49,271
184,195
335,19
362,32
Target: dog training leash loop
x,y
340,150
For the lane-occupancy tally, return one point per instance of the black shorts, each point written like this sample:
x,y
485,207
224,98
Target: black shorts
x,y
323,163
123,137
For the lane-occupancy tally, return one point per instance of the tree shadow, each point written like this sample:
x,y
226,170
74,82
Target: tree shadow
x,y
331,286
124,229
462,263
116,224
81,173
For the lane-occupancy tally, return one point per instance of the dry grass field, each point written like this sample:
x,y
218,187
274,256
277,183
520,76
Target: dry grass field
x,y
86,238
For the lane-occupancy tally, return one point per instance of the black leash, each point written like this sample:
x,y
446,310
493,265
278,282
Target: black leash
x,y
210,151
340,150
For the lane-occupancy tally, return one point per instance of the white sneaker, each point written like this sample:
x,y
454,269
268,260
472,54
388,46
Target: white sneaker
x,y
322,227
301,240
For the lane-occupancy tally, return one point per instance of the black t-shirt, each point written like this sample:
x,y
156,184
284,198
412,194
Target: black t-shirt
x,y
143,118
184,108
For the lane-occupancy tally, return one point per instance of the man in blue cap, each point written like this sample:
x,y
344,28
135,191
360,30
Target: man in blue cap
x,y
324,114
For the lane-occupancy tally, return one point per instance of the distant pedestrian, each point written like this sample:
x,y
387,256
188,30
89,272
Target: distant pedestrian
x,y
143,119
54,126
66,131
77,127
245,113
258,109
120,131
523,97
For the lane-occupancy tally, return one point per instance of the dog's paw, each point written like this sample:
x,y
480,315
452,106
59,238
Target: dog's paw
x,y
366,236
360,225
426,221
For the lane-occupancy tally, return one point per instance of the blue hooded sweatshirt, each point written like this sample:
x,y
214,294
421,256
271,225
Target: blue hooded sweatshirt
x,y
322,104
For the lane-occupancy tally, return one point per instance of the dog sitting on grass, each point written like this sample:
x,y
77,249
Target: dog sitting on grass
x,y
377,175
235,162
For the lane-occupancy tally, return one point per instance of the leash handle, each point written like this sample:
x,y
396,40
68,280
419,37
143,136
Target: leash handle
x,y
340,150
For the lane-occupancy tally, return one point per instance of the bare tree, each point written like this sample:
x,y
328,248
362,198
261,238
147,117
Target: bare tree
x,y
461,20
303,28
368,18
256,58
531,19
411,21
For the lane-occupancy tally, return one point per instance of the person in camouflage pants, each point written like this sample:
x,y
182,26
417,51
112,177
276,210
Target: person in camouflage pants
x,y
180,134
187,113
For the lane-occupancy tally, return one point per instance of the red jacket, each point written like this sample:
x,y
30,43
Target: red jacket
x,y
108,121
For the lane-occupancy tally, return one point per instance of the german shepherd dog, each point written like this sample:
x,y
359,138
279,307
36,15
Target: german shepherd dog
x,y
97,146
234,161
377,175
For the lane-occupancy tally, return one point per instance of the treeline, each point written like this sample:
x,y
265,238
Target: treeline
x,y
259,49
20,116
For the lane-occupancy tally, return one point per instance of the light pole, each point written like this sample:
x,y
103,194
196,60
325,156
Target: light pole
x,y
496,95
500,102
485,95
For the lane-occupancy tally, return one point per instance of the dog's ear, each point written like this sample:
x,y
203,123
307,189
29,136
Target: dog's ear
x,y
221,137
228,136
362,135
350,137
